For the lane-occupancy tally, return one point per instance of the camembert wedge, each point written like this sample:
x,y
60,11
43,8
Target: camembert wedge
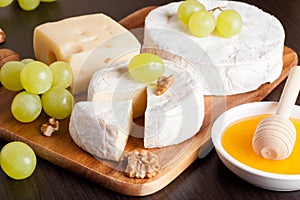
x,y
101,128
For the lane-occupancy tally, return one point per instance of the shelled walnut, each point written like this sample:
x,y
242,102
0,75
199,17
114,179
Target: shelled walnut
x,y
50,127
142,164
2,36
163,83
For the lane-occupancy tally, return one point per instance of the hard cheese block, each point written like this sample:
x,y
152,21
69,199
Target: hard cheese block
x,y
87,42
230,65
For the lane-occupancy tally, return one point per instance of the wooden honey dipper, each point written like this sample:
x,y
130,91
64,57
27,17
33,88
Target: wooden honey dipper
x,y
275,135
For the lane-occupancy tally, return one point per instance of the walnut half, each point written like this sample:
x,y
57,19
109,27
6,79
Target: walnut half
x,y
142,164
50,127
163,83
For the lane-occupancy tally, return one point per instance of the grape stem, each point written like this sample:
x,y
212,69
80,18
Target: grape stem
x,y
218,8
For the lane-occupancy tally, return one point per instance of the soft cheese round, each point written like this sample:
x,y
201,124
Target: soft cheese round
x,y
242,62
170,118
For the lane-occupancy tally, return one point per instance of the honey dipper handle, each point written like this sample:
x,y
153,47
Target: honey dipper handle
x,y
290,93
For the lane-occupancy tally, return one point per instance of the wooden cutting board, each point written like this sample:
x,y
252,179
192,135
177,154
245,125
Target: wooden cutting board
x,y
60,149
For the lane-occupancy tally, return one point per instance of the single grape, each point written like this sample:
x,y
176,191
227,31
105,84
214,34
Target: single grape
x,y
10,75
36,77
29,5
229,23
4,3
58,102
48,0
26,107
62,74
202,23
187,8
146,67
18,160
27,60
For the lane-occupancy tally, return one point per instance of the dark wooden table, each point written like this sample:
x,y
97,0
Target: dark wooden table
x,y
207,178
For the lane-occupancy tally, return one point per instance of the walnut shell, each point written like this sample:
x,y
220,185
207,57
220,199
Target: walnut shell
x,y
7,55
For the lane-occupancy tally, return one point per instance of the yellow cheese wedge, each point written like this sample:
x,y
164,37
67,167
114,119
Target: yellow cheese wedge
x,y
87,42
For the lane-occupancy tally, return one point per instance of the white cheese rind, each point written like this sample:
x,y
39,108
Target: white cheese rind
x,y
87,42
243,62
102,129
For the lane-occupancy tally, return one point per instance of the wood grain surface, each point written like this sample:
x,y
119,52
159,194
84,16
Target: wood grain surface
x,y
60,149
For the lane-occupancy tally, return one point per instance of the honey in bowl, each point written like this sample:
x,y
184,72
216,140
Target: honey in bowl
x,y
237,141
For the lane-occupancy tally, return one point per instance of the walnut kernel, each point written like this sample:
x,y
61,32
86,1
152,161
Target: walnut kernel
x,y
50,127
54,123
142,164
163,83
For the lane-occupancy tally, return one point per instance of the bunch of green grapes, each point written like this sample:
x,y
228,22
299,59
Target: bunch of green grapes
x,y
26,5
202,22
45,88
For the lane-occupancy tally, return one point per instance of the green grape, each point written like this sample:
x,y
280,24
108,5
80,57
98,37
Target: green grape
x,y
48,0
4,3
146,67
36,77
202,23
187,8
62,74
18,160
10,75
29,5
26,107
58,102
27,60
229,23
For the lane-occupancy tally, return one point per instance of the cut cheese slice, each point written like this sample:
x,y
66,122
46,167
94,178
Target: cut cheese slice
x,y
87,42
230,65
101,129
